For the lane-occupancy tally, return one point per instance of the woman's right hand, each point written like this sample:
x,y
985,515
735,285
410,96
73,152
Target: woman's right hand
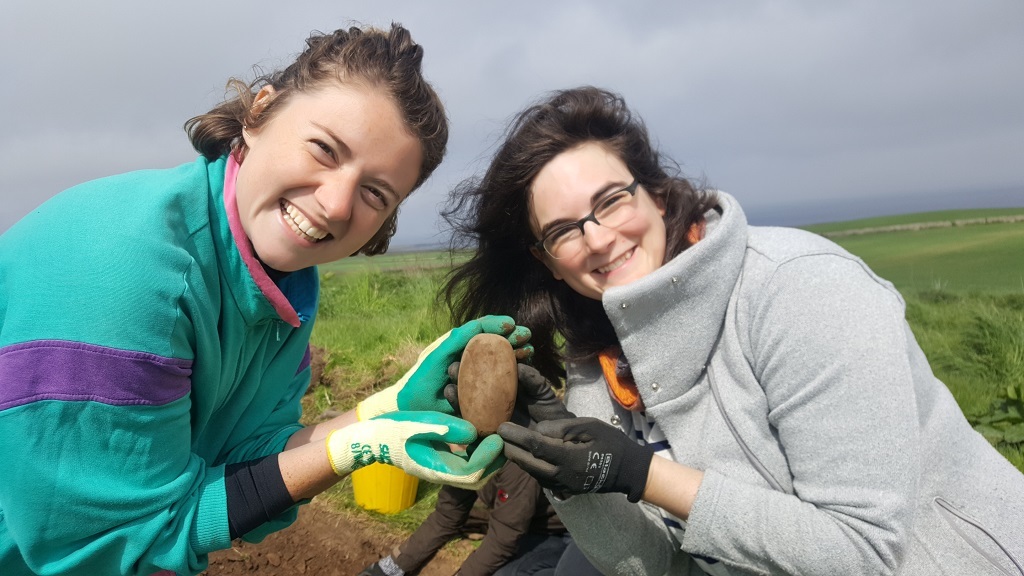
x,y
419,443
579,455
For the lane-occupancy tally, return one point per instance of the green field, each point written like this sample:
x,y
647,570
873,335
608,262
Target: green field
x,y
937,216
963,286
980,258
398,261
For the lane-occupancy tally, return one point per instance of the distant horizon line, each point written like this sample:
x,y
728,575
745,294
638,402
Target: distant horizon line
x,y
801,214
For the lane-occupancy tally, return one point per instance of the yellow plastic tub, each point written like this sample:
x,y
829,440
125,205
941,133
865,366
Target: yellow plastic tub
x,y
384,488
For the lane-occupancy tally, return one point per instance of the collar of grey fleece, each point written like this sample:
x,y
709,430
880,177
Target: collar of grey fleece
x,y
668,321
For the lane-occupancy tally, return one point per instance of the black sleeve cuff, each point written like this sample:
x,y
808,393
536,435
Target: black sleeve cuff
x,y
636,471
256,494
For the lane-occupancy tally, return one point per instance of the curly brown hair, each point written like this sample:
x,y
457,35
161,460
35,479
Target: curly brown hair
x,y
389,60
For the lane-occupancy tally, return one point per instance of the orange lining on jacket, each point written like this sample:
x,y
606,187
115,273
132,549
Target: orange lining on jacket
x,y
623,389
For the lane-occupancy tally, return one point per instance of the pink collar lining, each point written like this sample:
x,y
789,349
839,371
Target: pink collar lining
x,y
270,290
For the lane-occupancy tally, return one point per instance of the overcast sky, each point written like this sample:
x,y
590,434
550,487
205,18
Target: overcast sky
x,y
805,110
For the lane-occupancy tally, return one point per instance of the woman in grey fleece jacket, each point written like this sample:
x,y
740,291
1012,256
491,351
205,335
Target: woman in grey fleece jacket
x,y
751,399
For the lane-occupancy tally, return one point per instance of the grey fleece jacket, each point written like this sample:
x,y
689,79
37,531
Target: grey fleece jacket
x,y
832,448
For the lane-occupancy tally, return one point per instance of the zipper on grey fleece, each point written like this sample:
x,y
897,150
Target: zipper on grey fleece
x,y
751,457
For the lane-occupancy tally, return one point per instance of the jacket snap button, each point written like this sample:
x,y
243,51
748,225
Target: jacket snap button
x,y
615,419
675,279
624,305
654,386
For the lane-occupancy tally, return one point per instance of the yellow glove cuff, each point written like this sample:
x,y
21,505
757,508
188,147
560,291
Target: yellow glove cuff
x,y
379,403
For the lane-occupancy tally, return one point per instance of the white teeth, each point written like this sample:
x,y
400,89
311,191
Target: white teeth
x,y
300,224
616,264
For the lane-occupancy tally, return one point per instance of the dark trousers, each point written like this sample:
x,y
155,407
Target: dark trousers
x,y
541,555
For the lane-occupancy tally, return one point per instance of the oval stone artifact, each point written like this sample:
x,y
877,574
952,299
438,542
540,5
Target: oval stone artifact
x,y
488,379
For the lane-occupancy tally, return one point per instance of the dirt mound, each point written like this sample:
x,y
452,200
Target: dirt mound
x,y
321,543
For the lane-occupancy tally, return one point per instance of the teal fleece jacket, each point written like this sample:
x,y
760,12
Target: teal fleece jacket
x,y
142,348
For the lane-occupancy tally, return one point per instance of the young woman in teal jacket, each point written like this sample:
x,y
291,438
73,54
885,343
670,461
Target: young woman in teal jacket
x,y
154,326
750,400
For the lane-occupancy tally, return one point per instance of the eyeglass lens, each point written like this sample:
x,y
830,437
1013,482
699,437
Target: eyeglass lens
x,y
613,211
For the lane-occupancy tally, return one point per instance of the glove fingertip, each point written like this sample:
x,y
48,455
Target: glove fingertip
x,y
497,464
524,353
459,432
451,394
513,434
507,429
497,324
521,334
490,445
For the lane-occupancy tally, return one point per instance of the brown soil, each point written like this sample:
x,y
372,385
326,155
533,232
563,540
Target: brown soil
x,y
322,543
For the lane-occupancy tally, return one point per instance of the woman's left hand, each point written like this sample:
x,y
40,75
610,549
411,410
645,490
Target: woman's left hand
x,y
579,455
422,387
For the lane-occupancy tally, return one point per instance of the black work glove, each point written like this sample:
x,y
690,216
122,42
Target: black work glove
x,y
579,455
535,398
451,390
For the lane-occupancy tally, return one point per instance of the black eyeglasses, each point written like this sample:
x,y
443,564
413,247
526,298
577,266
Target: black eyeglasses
x,y
612,211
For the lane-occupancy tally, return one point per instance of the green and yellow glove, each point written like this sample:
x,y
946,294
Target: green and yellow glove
x,y
422,387
418,442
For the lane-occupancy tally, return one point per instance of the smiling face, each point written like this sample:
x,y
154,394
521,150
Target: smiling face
x,y
321,176
566,189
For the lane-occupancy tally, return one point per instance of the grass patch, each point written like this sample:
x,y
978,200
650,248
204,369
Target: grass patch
x,y
975,344
372,325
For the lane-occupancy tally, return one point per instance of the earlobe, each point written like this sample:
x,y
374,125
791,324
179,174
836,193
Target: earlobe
x,y
263,97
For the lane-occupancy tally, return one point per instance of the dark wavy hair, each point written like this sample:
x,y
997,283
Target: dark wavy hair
x,y
491,214
390,61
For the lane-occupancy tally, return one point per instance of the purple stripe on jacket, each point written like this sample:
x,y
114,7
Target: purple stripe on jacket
x,y
73,371
307,358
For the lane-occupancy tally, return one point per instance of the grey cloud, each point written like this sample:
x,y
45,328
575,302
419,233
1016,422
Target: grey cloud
x,y
779,102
